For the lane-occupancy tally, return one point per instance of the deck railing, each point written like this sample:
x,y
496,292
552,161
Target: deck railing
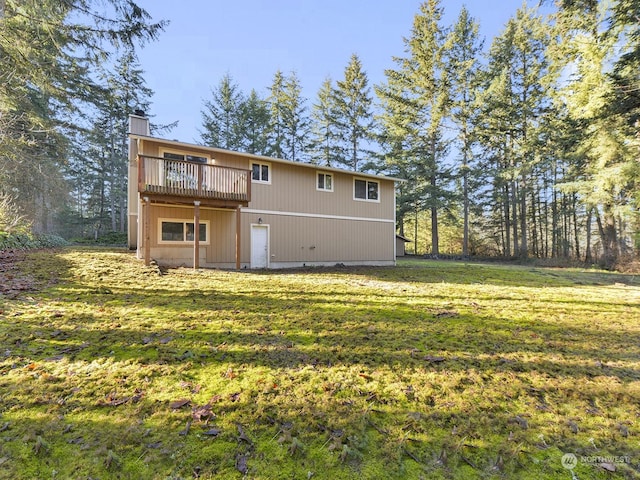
x,y
162,176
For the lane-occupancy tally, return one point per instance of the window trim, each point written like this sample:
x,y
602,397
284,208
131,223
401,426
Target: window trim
x,y
184,221
261,164
367,181
320,172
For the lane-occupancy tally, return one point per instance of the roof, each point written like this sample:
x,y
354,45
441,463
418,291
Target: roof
x,y
177,143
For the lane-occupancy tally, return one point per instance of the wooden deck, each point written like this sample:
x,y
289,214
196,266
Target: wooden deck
x,y
183,181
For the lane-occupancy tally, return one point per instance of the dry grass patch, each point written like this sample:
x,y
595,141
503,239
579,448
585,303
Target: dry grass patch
x,y
427,370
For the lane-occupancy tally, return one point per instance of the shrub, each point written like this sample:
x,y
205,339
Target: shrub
x,y
28,241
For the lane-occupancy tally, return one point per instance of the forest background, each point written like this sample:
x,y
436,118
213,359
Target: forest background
x,y
525,145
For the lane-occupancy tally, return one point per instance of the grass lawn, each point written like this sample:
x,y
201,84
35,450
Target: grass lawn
x,y
430,370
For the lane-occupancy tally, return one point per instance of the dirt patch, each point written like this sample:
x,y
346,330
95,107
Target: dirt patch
x,y
12,280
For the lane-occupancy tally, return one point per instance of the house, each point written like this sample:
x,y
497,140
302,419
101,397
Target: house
x,y
207,207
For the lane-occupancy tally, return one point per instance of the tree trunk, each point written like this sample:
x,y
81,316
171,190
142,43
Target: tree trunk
x,y
507,223
588,258
514,219
435,249
576,235
608,236
524,252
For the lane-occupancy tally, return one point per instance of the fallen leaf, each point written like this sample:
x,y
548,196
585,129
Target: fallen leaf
x,y
608,466
432,359
212,432
243,435
241,464
202,412
179,403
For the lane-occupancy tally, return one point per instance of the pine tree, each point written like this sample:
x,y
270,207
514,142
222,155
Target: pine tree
x,y
322,137
296,125
289,124
254,115
463,52
514,101
417,97
352,116
98,163
221,116
48,52
277,116
606,164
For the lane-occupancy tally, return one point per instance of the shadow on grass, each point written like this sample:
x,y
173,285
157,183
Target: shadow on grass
x,y
470,273
308,328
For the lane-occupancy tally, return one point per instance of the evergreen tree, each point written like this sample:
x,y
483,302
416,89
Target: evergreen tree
x,y
48,51
222,117
296,125
417,98
254,115
606,161
515,100
277,116
289,125
98,163
352,116
464,49
322,137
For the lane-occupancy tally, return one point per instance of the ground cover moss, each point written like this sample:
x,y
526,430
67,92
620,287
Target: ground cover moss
x,y
110,369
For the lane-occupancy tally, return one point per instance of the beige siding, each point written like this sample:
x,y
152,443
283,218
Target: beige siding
x,y
293,189
319,241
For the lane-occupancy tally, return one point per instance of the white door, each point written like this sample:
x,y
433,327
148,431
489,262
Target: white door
x,y
259,246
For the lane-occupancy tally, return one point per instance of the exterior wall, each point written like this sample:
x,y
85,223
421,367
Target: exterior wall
x,y
294,189
304,241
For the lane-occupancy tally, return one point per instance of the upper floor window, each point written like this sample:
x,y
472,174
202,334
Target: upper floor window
x,y
260,172
184,157
181,170
325,182
366,190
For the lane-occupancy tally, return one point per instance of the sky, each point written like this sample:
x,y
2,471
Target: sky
x,y
252,39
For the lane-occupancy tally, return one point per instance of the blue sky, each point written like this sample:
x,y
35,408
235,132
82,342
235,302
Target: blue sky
x,y
251,39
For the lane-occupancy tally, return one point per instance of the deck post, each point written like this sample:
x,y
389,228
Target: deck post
x,y
146,211
238,230
196,235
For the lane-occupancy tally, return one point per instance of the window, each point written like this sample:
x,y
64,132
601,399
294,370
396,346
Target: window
x,y
185,157
325,182
260,172
182,231
179,171
365,190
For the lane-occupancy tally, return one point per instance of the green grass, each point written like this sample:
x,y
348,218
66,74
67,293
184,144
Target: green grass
x,y
426,370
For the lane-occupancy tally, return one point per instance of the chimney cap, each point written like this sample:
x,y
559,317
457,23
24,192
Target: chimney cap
x,y
139,113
